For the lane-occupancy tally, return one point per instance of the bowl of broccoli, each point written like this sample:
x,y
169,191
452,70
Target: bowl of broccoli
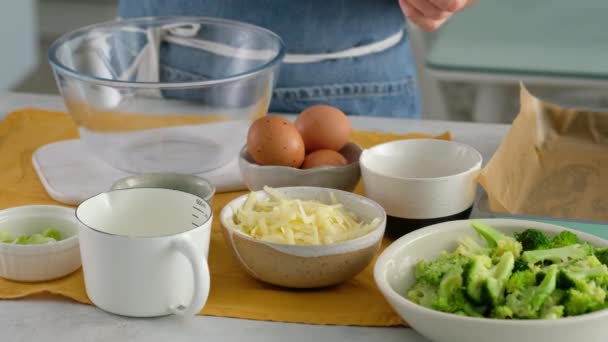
x,y
498,280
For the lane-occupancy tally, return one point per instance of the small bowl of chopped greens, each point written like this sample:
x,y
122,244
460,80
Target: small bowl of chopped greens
x,y
38,242
498,280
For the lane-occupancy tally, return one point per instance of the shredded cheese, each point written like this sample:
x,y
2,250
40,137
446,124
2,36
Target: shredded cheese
x,y
280,219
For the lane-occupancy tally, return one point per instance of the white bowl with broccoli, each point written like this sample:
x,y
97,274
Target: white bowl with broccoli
x,y
498,280
38,242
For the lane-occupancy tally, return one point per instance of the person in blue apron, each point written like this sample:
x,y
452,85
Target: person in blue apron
x,y
375,73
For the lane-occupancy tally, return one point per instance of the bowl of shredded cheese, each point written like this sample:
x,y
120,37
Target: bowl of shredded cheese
x,y
303,237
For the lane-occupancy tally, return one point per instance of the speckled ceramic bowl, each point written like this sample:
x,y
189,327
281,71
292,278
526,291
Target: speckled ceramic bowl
x,y
300,266
335,177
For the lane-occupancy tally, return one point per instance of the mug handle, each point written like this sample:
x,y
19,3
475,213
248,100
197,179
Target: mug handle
x,y
200,271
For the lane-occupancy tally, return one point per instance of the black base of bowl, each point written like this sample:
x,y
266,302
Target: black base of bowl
x,y
396,227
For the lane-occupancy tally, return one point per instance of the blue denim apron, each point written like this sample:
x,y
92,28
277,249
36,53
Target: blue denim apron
x,y
377,84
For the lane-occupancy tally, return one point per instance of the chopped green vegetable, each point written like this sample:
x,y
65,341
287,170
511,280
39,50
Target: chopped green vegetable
x,y
497,241
521,280
504,312
553,312
49,235
52,233
602,255
526,303
423,294
551,308
485,285
520,265
532,239
587,297
583,271
557,255
34,239
6,237
433,272
38,239
22,240
551,279
565,238
451,297
469,247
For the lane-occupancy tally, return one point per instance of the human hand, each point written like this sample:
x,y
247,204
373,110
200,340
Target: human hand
x,y
431,14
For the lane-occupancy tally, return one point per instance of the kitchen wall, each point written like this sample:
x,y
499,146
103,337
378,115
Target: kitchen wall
x,y
55,18
21,55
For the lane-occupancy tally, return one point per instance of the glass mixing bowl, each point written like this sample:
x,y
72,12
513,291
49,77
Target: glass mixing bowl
x,y
166,94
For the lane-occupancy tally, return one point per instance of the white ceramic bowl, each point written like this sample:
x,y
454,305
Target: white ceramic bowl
x,y
45,261
394,275
300,266
420,182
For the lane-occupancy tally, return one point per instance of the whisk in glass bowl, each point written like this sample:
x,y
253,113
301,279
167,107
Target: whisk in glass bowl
x,y
142,106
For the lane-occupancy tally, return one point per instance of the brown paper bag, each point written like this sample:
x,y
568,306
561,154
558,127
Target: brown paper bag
x,y
553,162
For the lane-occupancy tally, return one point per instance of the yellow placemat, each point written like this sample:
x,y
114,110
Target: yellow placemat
x,y
233,292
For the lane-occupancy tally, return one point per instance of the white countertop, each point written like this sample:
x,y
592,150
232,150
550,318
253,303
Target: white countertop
x,y
48,319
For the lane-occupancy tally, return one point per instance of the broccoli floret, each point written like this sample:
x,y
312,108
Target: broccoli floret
x,y
491,235
520,265
485,284
557,255
521,280
554,312
423,294
432,272
532,239
502,312
583,271
540,275
497,241
527,303
602,255
469,247
563,239
552,308
507,246
450,297
492,289
474,274
587,297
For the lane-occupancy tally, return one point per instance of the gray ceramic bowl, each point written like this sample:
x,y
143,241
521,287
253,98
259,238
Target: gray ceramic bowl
x,y
187,183
334,177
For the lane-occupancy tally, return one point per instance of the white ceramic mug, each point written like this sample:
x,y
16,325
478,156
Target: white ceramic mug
x,y
144,251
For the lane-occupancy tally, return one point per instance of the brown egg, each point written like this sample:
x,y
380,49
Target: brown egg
x,y
323,127
323,158
273,140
